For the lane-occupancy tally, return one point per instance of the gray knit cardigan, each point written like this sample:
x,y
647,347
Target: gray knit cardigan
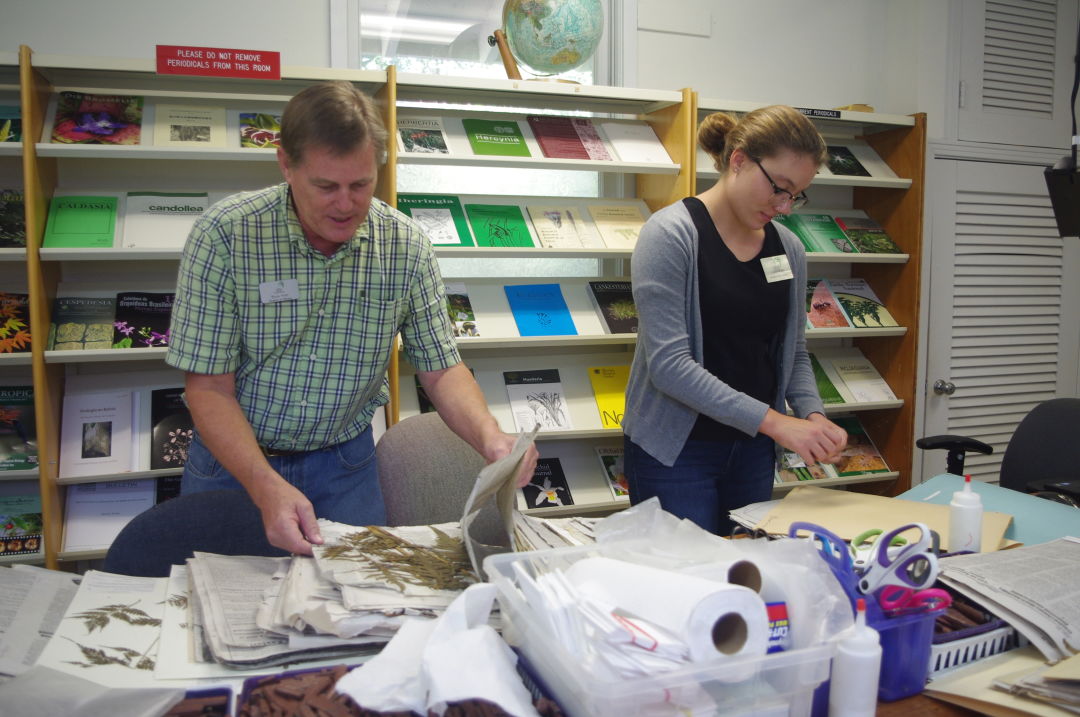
x,y
669,385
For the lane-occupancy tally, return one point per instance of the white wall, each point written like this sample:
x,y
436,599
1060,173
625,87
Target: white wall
x,y
818,53
131,28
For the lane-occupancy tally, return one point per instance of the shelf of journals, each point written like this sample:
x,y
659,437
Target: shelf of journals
x,y
839,181
129,475
523,94
19,359
29,474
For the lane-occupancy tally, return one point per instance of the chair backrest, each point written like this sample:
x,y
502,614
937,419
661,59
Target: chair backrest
x,y
425,471
1045,446
215,521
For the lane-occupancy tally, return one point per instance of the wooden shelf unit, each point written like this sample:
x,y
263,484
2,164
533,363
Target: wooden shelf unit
x,y
896,204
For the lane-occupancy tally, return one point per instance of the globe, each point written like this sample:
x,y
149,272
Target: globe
x,y
552,36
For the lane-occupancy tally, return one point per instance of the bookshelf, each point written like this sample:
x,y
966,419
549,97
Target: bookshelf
x,y
894,199
51,168
893,196
500,347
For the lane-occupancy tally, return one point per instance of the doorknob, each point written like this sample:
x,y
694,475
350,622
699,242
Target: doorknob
x,y
943,387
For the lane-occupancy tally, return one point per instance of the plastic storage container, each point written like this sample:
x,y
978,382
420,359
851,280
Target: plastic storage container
x,y
778,684
945,656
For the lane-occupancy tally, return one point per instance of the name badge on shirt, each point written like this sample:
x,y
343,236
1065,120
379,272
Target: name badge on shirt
x,y
271,292
776,268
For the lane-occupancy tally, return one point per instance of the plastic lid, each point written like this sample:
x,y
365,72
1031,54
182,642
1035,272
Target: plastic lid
x,y
967,497
864,636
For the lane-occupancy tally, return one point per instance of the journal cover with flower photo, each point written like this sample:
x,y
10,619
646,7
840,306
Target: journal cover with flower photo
x,y
172,428
260,130
97,119
142,319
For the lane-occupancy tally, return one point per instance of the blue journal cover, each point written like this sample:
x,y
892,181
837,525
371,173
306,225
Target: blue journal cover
x,y
540,310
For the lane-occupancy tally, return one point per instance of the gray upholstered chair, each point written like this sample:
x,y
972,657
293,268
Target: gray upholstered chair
x,y
425,470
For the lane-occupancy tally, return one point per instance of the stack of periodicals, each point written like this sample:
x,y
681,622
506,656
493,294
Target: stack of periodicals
x,y
355,593
1035,589
531,533
554,223
218,613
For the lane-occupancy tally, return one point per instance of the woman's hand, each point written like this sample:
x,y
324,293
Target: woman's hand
x,y
816,439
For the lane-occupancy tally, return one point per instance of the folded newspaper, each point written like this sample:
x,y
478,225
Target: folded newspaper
x,y
1035,588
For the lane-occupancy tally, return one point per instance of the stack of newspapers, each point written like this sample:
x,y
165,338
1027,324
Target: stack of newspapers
x,y
350,598
531,533
219,615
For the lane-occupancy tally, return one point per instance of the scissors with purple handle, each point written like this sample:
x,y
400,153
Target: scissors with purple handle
x,y
913,565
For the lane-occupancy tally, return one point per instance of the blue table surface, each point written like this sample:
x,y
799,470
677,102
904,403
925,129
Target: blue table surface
x,y
1035,520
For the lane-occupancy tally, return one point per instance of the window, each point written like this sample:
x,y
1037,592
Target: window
x,y
452,39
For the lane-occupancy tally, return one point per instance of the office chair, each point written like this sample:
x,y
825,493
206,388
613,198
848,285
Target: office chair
x,y
426,473
216,521
1043,454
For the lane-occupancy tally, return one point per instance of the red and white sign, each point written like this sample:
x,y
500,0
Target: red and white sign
x,y
218,62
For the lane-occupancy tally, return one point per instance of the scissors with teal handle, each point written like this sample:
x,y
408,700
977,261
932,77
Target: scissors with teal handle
x,y
913,565
862,547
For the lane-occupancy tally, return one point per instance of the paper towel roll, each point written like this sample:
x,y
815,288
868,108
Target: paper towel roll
x,y
714,619
743,572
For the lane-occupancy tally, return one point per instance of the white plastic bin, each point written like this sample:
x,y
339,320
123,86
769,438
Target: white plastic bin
x,y
778,684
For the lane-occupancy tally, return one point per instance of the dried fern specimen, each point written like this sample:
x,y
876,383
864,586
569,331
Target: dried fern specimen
x,y
98,619
178,600
124,657
397,562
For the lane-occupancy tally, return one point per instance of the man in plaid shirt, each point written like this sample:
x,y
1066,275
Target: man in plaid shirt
x,y
288,301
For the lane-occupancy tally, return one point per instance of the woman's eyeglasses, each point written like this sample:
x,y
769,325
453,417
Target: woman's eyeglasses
x,y
782,196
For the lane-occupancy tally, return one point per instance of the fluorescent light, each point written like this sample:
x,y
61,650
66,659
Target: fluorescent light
x,y
394,27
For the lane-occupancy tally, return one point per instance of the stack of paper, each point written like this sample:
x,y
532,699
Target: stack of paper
x,y
1036,589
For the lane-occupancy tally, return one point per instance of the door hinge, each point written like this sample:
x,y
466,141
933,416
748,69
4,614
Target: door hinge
x,y
962,95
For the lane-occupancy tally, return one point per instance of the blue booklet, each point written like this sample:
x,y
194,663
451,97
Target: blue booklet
x,y
540,310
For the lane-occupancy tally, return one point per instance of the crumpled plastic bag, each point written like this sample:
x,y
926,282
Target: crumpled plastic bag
x,y
428,665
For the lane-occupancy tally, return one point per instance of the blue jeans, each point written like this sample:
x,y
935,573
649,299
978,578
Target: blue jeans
x,y
341,481
709,479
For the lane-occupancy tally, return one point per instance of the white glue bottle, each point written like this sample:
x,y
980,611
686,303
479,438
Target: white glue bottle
x,y
965,519
856,669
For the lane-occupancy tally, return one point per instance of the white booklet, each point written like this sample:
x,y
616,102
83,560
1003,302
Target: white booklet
x,y
618,224
635,141
422,135
95,434
858,375
96,512
537,398
161,219
189,126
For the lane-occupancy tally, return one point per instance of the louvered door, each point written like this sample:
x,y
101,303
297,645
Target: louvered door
x,y
1003,312
1016,71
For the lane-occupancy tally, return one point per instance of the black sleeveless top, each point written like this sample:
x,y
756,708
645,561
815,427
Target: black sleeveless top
x,y
743,317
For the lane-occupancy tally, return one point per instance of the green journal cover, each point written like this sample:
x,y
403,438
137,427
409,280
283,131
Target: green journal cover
x,y
82,221
823,232
498,225
440,215
825,387
498,137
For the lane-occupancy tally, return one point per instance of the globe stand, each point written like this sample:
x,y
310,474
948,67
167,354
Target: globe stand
x,y
509,64
498,39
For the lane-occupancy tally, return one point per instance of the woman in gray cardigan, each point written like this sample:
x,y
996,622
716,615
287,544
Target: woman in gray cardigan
x,y
720,293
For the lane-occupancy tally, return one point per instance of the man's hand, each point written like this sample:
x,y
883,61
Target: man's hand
x,y
500,445
288,517
816,439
